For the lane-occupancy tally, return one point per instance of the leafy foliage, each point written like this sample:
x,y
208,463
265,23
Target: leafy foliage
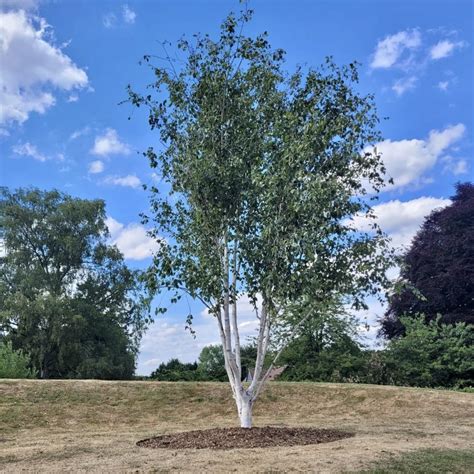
x,y
432,355
14,364
209,367
439,268
174,370
325,351
268,164
429,355
212,365
66,297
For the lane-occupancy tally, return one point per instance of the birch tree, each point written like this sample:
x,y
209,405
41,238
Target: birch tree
x,y
260,171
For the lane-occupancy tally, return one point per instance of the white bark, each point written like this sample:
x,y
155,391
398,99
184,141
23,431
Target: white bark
x,y
245,413
227,319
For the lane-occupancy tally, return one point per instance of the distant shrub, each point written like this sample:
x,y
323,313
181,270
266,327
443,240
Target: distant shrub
x,y
327,354
175,370
14,364
432,355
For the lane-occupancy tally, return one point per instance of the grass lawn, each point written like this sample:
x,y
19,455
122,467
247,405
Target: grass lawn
x,y
427,461
58,426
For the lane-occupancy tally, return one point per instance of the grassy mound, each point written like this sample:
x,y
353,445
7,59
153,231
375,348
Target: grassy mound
x,y
55,426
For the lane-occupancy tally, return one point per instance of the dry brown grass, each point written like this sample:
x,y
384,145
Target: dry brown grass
x,y
58,426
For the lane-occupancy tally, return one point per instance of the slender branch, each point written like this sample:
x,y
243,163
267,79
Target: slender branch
x,y
209,305
235,327
227,328
228,367
260,347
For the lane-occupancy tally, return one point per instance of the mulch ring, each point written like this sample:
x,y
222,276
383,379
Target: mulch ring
x,y
232,438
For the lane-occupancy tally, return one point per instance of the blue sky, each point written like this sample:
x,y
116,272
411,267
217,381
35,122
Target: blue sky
x,y
64,66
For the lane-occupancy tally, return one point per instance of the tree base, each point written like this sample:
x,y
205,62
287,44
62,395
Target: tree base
x,y
232,438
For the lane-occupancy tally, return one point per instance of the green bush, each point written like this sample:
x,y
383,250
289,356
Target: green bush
x,y
14,364
432,355
326,351
174,370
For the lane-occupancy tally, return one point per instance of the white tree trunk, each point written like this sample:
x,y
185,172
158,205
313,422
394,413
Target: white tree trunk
x,y
245,413
226,314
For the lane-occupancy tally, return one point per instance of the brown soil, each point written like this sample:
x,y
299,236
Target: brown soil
x,y
232,438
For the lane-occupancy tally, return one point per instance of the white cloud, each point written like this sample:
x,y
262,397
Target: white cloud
x,y
405,50
155,177
391,49
114,226
445,48
109,144
370,317
461,167
438,141
132,239
401,220
73,98
31,67
153,363
405,84
109,20
27,149
455,166
168,339
79,133
129,181
407,160
443,85
128,15
96,167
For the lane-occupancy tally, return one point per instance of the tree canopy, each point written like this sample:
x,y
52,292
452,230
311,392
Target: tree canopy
x,y
66,296
438,269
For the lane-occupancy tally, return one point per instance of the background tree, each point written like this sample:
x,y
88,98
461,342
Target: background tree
x,y
438,268
175,370
66,297
212,364
264,170
327,350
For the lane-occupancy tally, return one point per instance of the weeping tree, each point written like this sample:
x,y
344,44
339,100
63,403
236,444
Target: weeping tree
x,y
261,172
